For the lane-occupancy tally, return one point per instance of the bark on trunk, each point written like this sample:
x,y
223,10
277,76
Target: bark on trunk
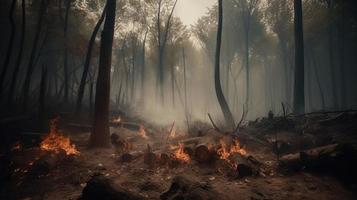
x,y
100,134
299,93
87,61
220,96
19,56
31,65
9,48
65,53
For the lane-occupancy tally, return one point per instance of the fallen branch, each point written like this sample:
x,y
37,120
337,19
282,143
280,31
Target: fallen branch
x,y
213,124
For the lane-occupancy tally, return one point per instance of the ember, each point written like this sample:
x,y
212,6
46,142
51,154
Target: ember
x,y
17,146
142,132
117,120
181,155
56,142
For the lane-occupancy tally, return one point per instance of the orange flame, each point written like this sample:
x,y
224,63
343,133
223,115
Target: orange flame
x,y
225,153
17,146
56,142
117,120
181,155
142,132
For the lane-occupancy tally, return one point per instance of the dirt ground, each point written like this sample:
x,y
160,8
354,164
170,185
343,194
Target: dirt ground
x,y
67,179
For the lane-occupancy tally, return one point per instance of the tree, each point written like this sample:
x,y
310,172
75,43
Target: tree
x,y
65,53
248,7
19,56
9,48
88,60
162,36
279,16
299,91
217,80
100,133
31,64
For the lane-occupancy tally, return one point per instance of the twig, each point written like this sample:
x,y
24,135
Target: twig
x,y
241,120
284,110
213,124
168,135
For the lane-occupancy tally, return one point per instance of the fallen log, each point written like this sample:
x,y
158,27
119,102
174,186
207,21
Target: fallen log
x,y
244,168
126,125
333,156
88,128
185,188
100,187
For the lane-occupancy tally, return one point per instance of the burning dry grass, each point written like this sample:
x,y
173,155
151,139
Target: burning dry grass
x,y
57,142
180,154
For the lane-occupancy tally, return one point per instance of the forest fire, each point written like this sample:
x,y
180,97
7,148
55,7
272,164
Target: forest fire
x,y
226,153
181,155
56,142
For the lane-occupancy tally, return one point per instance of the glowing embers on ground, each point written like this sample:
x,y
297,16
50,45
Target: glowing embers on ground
x,y
142,132
57,142
180,154
227,154
117,120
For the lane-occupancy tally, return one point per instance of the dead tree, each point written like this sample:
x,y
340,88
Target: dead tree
x,y
87,61
19,56
217,80
9,47
100,133
65,52
162,40
299,91
32,59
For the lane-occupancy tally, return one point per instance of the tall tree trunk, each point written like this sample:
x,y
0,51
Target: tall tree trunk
x,y
31,65
299,93
341,32
173,77
19,56
247,67
143,68
331,56
87,61
65,53
42,97
317,77
217,80
185,88
100,133
9,48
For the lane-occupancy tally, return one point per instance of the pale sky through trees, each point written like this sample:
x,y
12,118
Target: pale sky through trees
x,y
190,10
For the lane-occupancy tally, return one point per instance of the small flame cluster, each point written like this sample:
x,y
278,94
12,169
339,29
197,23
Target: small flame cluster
x,y
226,153
117,120
57,142
181,155
142,132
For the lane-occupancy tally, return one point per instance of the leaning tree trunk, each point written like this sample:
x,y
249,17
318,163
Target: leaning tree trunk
x,y
217,80
100,133
19,56
87,61
31,65
299,93
9,48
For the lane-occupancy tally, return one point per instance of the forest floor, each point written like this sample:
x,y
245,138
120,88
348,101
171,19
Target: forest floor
x,y
68,178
